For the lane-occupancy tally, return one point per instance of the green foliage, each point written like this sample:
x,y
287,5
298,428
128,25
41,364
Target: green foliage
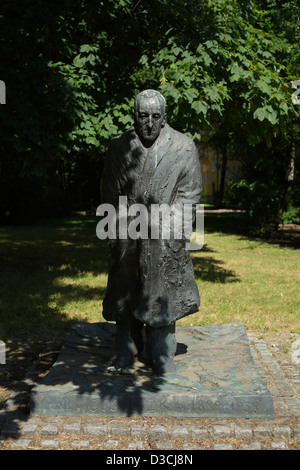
x,y
291,214
55,66
231,75
72,70
283,19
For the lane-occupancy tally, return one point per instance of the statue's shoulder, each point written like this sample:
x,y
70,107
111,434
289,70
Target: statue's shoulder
x,y
123,138
178,137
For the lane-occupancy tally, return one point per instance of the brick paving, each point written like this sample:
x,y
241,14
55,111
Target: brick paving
x,y
19,430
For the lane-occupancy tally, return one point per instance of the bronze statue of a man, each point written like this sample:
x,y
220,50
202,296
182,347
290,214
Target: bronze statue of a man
x,y
150,280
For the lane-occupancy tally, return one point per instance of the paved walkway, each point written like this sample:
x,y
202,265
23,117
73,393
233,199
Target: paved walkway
x,y
281,375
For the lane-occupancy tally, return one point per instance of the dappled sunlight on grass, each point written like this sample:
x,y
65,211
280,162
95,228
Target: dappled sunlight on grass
x,y
55,273
247,280
51,275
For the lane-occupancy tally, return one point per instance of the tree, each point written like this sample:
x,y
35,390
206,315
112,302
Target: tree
x,y
282,18
232,76
57,63
72,70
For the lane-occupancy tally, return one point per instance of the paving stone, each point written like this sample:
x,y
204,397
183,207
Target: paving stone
x,y
21,444
179,432
242,433
281,409
49,429
280,445
262,431
188,446
166,445
292,401
72,428
199,433
221,431
136,445
252,446
138,430
29,428
222,446
110,444
282,431
49,443
96,429
118,430
297,430
296,410
158,432
81,443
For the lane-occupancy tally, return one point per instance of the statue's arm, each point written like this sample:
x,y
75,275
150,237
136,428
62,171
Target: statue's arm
x,y
190,183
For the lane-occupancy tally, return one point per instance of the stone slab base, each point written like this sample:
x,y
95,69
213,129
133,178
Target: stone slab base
x,y
215,377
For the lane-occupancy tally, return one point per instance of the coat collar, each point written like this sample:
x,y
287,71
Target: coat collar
x,y
163,137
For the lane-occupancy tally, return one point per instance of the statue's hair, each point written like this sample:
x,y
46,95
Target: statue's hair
x,y
150,94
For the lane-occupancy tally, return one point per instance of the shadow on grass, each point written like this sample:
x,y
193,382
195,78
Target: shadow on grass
x,y
240,223
210,269
34,259
231,223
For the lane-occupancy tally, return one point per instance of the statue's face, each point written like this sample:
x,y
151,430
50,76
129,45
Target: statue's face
x,y
149,119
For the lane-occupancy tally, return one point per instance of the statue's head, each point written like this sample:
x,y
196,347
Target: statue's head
x,y
149,115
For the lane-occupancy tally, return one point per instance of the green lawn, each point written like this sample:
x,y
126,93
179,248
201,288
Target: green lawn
x,y
246,280
55,272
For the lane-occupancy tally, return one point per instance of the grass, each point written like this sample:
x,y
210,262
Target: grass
x,y
55,272
251,281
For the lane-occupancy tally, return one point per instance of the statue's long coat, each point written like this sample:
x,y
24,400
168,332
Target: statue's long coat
x,y
151,279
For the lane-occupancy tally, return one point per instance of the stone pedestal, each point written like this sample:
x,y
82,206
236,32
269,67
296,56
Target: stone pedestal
x,y
215,377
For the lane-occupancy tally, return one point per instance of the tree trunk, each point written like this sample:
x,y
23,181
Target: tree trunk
x,y
288,182
223,176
